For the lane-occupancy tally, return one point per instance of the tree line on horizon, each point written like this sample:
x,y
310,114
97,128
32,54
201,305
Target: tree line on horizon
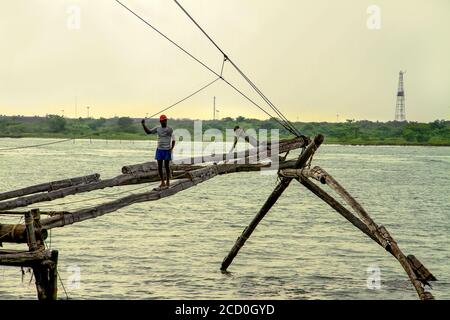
x,y
348,132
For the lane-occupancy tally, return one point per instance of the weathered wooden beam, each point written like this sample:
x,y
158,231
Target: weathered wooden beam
x,y
321,175
422,273
23,258
354,220
17,233
53,276
325,178
198,176
49,186
31,235
392,248
271,200
423,295
61,193
21,213
283,146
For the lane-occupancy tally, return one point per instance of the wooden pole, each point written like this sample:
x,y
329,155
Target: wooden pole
x,y
424,295
85,214
17,233
322,176
271,200
23,258
283,146
391,248
53,276
369,226
49,186
38,270
61,193
319,192
31,235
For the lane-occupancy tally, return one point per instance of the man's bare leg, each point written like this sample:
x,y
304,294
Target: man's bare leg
x,y
167,165
160,172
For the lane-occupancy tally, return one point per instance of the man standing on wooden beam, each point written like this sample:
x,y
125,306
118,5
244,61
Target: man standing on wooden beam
x,y
166,143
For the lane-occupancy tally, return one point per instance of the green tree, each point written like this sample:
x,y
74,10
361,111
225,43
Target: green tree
x,y
126,124
56,123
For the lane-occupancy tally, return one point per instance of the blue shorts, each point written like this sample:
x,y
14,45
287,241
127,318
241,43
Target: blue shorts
x,y
163,155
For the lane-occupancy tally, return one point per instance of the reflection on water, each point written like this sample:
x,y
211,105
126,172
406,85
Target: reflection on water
x,y
173,248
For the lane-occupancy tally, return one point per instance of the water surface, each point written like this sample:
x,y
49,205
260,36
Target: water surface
x,y
173,248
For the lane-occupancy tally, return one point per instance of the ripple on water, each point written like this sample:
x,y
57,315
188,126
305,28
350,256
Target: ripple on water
x,y
173,248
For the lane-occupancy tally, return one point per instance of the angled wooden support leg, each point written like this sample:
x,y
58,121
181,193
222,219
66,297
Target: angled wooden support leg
x,y
336,205
391,248
404,261
317,173
274,196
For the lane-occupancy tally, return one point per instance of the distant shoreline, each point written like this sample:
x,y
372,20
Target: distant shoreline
x,y
350,132
147,138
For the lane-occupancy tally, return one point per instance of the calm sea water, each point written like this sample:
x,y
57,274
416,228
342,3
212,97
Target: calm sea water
x,y
173,248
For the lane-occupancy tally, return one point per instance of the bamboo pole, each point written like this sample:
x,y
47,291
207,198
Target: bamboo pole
x,y
53,276
424,295
317,173
392,248
271,200
17,233
21,213
23,258
319,192
198,176
61,193
49,186
283,146
325,178
31,235
121,180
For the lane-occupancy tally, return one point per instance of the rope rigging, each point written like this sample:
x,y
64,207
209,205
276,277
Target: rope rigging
x,y
284,121
90,134
284,124
227,58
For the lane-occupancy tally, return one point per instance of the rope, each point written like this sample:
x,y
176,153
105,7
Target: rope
x,y
277,111
204,65
38,145
12,230
57,272
187,97
62,284
87,135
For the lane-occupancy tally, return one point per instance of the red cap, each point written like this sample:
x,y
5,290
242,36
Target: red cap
x,y
162,117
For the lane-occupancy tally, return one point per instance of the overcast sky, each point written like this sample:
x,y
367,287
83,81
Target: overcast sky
x,y
313,59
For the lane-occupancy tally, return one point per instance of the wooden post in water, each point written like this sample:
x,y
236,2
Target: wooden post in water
x,y
53,276
271,200
33,246
31,234
417,277
45,272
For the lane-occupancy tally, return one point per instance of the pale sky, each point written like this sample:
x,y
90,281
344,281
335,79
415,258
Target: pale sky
x,y
313,59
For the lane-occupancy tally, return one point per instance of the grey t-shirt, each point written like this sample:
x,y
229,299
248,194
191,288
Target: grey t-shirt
x,y
165,136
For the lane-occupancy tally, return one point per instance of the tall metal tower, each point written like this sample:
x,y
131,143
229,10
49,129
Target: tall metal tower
x,y
400,107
